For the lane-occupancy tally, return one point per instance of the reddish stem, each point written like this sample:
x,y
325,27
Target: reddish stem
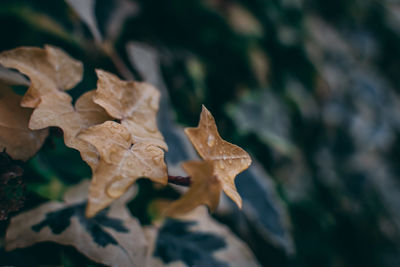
x,y
179,180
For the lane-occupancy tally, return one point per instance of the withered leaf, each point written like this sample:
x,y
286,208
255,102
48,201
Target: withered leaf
x,y
113,237
196,239
20,142
134,103
122,162
49,69
55,109
205,188
228,159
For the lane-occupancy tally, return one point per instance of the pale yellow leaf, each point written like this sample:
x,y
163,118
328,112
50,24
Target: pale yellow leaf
x,y
228,159
122,162
20,142
49,70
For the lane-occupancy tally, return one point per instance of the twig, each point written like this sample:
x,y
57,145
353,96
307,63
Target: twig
x,y
118,62
179,180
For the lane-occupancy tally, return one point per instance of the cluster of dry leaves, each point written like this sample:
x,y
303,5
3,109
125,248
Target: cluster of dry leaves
x,y
113,127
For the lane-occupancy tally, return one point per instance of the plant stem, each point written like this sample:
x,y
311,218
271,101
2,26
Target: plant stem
x,y
179,180
118,62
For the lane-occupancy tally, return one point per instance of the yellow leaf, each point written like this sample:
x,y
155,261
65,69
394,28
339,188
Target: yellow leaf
x,y
205,188
49,69
55,109
134,103
122,162
20,142
228,160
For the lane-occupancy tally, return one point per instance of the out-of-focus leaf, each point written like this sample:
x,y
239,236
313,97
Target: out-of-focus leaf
x,y
263,211
257,113
123,10
260,65
122,162
55,109
146,60
16,138
116,15
196,240
243,21
113,237
205,188
39,21
228,160
393,12
86,11
49,70
11,77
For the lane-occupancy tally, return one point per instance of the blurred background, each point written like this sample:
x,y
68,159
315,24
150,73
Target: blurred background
x,y
310,88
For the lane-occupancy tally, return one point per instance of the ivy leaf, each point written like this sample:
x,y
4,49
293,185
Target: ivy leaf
x,y
122,162
134,103
49,69
113,237
263,217
196,239
205,188
228,160
55,109
16,138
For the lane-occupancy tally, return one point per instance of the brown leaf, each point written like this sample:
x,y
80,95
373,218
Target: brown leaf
x,y
228,159
49,69
134,103
113,238
55,109
122,162
205,188
20,142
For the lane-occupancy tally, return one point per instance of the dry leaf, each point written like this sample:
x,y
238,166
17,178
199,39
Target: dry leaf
x,y
205,188
20,142
49,69
113,237
122,162
228,159
55,109
134,103
196,239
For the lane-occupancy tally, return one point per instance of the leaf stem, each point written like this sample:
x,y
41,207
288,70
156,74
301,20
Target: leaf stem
x,y
179,180
118,62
